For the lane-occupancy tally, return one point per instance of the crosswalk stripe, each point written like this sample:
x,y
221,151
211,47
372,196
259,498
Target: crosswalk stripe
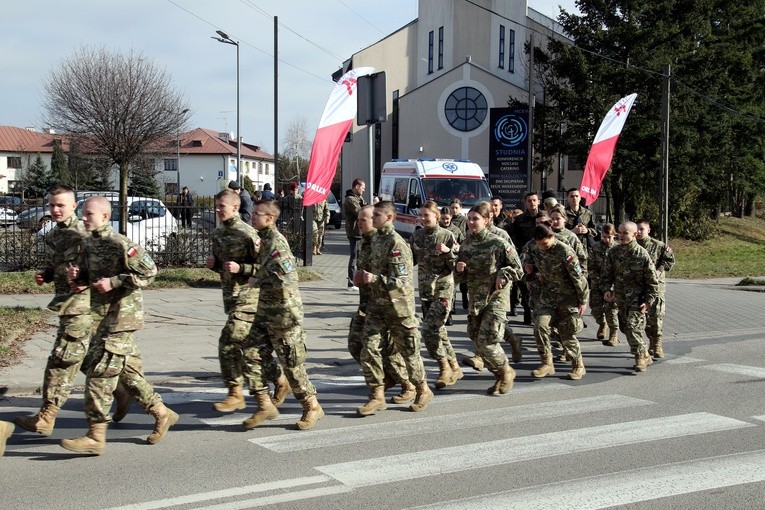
x,y
623,488
407,466
683,359
439,424
280,498
731,368
226,493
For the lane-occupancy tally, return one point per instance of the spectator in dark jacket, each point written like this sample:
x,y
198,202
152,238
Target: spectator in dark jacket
x,y
185,204
245,203
267,194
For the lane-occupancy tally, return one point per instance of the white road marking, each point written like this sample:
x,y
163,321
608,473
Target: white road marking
x,y
280,498
684,359
480,455
434,425
625,487
731,368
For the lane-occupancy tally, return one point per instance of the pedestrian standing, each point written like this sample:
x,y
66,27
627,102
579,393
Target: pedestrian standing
x,y
351,206
116,269
489,265
278,325
320,220
235,248
245,202
185,204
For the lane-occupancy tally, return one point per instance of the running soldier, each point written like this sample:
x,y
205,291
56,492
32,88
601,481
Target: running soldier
x,y
605,314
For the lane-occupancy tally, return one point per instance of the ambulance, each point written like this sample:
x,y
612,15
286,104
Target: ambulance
x,y
409,183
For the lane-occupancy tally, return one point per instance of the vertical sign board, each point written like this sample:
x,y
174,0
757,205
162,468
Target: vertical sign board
x,y
508,154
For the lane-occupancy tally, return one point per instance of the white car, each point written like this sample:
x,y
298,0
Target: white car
x,y
149,223
7,217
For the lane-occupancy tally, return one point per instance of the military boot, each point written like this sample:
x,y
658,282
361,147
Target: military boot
x,y
545,369
6,430
408,393
515,345
93,442
376,401
281,390
456,370
444,374
578,370
42,423
312,412
504,381
424,396
601,334
266,411
613,337
122,399
475,362
165,418
642,361
234,401
658,349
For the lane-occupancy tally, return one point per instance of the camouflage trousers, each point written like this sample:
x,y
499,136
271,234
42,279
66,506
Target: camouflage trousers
x,y
107,368
287,340
566,321
632,324
434,334
487,330
393,363
65,360
654,326
318,233
403,337
230,354
601,311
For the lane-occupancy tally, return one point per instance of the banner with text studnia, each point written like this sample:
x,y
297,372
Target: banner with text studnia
x,y
509,154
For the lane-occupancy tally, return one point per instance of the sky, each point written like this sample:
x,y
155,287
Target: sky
x,y
315,37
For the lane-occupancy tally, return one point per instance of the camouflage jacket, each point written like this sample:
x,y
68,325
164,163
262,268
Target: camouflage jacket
x,y
460,221
392,266
569,238
629,273
64,245
363,263
662,256
583,216
459,235
277,278
434,275
321,212
596,256
561,279
501,233
236,241
107,254
488,256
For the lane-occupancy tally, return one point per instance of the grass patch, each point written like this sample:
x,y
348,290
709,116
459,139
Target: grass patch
x,y
17,325
738,250
747,282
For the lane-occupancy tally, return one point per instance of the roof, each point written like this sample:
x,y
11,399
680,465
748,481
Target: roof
x,y
14,139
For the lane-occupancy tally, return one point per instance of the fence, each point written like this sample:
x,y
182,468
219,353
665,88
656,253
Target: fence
x,y
174,236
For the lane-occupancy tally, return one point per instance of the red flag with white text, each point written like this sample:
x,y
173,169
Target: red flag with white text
x,y
602,150
335,122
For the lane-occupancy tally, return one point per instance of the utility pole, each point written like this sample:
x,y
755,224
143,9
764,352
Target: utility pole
x,y
664,208
530,159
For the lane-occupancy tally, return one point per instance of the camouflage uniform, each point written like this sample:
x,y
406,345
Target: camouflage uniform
x,y
65,244
113,352
487,257
392,294
460,221
236,241
563,287
629,274
320,219
393,363
436,286
571,239
582,216
663,259
604,313
278,325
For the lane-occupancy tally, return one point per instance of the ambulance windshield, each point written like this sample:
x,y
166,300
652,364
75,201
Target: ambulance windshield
x,y
468,191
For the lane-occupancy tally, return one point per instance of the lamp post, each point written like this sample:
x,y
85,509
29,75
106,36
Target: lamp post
x,y
224,38
178,148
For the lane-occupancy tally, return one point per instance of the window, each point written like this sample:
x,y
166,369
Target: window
x,y
394,127
465,109
14,162
501,46
430,52
440,48
511,51
171,165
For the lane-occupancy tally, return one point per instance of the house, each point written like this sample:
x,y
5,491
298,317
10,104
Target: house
x,y
206,164
445,71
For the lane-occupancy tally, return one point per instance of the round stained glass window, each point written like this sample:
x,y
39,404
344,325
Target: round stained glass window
x,y
465,109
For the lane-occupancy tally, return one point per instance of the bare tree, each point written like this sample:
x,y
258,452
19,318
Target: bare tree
x,y
117,105
297,145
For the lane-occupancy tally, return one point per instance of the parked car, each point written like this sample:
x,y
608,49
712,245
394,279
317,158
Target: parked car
x,y
335,211
13,202
7,217
149,223
37,216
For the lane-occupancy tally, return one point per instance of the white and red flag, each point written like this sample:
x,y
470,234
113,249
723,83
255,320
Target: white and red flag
x,y
335,122
602,150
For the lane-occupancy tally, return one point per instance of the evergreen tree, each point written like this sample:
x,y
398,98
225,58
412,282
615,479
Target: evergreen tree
x,y
59,166
143,179
37,180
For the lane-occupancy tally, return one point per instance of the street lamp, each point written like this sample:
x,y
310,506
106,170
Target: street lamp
x,y
178,148
224,38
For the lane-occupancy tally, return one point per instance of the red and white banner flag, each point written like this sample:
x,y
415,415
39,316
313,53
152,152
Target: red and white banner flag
x,y
602,150
335,122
